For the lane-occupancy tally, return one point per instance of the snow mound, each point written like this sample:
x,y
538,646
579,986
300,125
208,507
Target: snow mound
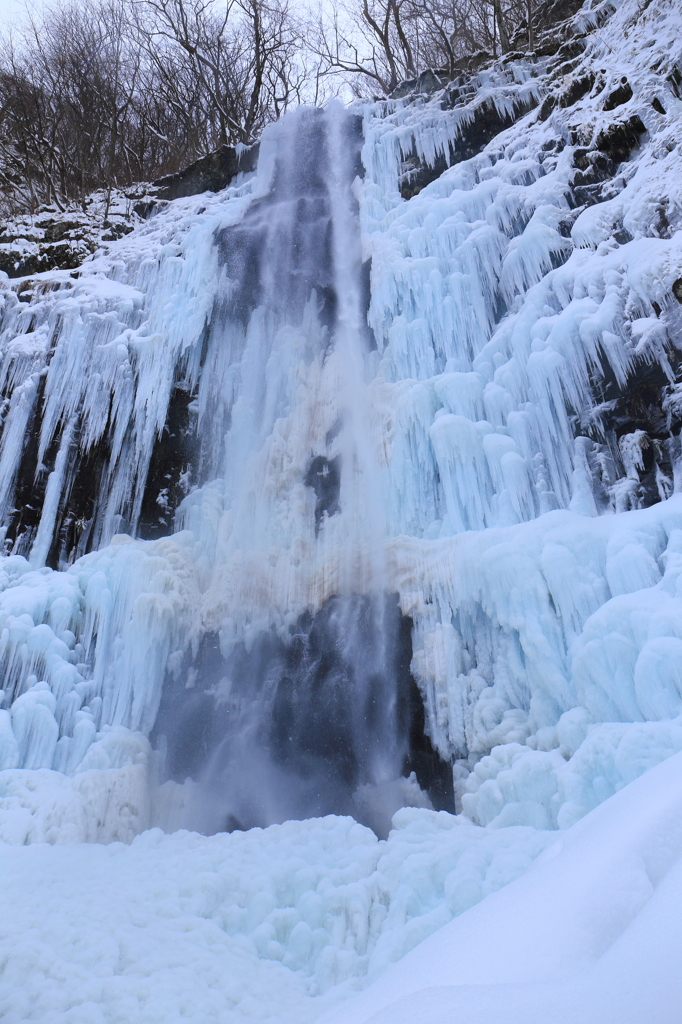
x,y
591,933
271,924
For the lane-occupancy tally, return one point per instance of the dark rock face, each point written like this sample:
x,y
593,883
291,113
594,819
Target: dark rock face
x,y
635,434
324,476
62,240
426,83
597,163
574,90
557,10
674,80
486,123
621,138
171,470
210,173
16,261
172,466
619,96
29,487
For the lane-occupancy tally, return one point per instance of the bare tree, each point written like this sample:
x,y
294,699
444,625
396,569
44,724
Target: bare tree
x,y
377,43
367,38
102,93
68,86
98,94
237,60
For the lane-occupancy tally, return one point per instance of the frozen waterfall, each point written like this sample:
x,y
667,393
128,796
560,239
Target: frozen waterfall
x,y
300,701
351,494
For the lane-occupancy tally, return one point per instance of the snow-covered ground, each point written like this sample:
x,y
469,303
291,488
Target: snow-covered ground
x,y
266,925
279,924
515,300
590,934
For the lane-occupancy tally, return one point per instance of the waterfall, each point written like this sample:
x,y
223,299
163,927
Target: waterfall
x,y
260,412
311,722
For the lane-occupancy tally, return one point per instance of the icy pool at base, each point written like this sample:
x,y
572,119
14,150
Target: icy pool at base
x,y
273,924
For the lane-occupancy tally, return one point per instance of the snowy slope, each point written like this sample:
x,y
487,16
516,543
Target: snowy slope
x,y
272,924
591,933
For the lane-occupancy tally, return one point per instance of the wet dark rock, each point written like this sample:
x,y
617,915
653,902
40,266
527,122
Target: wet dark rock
x,y
642,411
593,168
674,80
17,262
486,123
619,96
30,484
211,173
171,467
657,105
74,533
116,231
426,83
62,240
573,91
621,138
145,207
74,528
597,161
677,289
55,231
324,476
557,10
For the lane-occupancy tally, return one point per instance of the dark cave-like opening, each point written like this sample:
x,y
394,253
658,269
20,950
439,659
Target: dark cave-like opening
x,y
297,727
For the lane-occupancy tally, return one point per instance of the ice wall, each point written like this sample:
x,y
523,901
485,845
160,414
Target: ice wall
x,y
526,312
503,418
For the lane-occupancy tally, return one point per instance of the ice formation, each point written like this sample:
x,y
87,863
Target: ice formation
x,y
358,403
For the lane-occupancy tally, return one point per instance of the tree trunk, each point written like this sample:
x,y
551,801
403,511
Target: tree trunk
x,y
501,26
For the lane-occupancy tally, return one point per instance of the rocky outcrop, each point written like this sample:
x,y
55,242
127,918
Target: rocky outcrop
x,y
54,239
210,173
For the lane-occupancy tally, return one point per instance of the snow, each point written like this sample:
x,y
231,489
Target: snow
x,y
271,924
478,483
591,932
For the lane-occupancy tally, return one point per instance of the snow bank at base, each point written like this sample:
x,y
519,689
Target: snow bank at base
x,y
591,933
270,924
279,924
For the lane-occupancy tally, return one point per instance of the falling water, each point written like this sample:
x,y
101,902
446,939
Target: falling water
x,y
316,721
